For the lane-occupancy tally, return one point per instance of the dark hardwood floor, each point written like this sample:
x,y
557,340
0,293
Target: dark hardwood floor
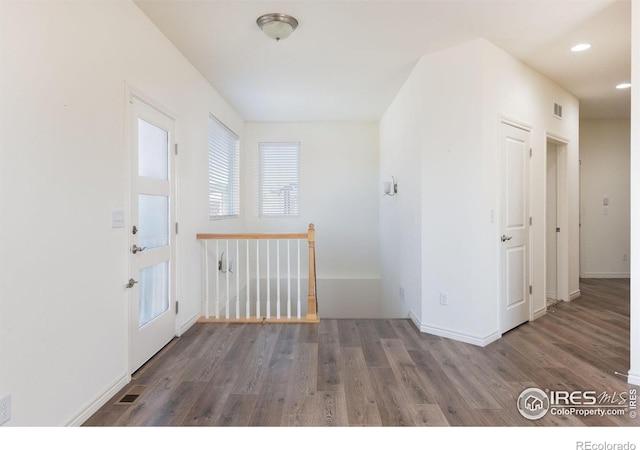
x,y
380,372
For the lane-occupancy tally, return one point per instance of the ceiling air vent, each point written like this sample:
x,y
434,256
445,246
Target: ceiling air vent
x,y
557,110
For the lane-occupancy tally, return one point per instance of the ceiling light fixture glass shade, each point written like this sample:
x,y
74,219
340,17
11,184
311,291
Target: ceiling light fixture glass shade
x,y
277,26
623,86
580,47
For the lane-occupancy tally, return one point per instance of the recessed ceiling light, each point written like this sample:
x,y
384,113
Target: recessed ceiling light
x,y
623,86
580,47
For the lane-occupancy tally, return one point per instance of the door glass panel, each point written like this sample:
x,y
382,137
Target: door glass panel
x,y
154,292
153,151
153,221
516,201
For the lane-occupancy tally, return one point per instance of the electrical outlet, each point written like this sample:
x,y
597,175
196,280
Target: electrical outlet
x,y
444,298
5,408
402,294
625,257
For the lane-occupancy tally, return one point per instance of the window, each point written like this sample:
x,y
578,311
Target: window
x,y
224,171
279,179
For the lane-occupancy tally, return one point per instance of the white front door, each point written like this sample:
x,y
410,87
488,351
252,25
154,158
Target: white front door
x,y
152,233
514,228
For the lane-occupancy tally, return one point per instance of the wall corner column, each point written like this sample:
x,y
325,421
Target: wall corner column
x,y
634,370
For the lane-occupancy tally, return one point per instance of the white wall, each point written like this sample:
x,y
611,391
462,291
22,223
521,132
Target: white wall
x,y
634,371
339,192
401,144
458,97
455,229
604,172
63,169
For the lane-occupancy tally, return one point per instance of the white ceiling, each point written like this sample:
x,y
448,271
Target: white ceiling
x,y
348,58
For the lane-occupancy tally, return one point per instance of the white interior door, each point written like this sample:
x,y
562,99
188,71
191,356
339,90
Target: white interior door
x,y
514,224
551,222
152,233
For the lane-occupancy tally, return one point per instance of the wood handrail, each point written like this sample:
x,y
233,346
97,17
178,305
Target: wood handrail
x,y
201,236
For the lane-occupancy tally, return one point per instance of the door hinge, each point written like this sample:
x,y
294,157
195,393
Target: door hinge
x,y
176,148
558,230
530,152
530,289
176,227
530,221
177,307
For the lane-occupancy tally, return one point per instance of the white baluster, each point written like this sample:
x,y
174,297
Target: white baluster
x,y
258,278
206,279
298,305
217,306
278,278
248,302
288,278
268,283
226,263
237,275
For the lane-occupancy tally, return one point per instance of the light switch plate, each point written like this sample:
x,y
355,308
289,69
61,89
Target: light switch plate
x,y
117,219
5,408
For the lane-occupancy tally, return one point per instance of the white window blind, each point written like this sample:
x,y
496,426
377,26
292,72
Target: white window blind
x,y
224,171
279,179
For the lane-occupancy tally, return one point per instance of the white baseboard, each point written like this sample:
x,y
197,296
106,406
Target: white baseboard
x,y
539,313
634,378
606,275
455,335
188,324
415,320
99,402
481,341
574,295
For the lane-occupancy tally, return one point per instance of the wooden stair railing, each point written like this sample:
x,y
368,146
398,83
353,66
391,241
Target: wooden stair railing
x,y
242,273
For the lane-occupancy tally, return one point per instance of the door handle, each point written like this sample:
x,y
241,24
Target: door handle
x,y
131,283
503,238
135,249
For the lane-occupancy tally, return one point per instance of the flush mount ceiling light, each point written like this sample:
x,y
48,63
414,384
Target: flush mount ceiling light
x,y
277,26
623,86
580,47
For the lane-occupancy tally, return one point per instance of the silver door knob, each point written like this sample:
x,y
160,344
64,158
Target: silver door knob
x,y
503,238
131,283
135,249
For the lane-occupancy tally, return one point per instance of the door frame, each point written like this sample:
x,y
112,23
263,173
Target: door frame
x,y
505,120
562,216
132,92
